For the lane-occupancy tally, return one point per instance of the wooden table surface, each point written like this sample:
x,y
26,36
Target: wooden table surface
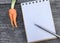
x,y
7,35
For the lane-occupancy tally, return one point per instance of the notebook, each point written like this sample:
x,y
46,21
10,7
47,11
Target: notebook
x,y
37,12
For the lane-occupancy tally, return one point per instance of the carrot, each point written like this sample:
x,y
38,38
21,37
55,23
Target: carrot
x,y
13,14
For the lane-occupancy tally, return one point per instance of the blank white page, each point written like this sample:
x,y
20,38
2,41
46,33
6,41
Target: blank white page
x,y
37,12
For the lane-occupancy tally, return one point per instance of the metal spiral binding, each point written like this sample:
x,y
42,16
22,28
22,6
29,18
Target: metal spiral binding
x,y
32,2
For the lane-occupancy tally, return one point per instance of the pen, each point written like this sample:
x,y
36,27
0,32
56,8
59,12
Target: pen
x,y
58,36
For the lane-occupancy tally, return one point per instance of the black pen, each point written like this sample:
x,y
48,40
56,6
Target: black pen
x,y
58,36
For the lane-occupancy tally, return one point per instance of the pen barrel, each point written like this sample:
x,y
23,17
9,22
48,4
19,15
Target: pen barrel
x,y
58,36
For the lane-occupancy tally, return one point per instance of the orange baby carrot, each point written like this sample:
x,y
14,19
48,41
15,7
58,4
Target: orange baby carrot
x,y
13,14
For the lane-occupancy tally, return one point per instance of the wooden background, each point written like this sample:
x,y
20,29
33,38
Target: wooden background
x,y
7,35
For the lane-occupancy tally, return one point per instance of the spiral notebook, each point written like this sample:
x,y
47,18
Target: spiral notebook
x,y
37,12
